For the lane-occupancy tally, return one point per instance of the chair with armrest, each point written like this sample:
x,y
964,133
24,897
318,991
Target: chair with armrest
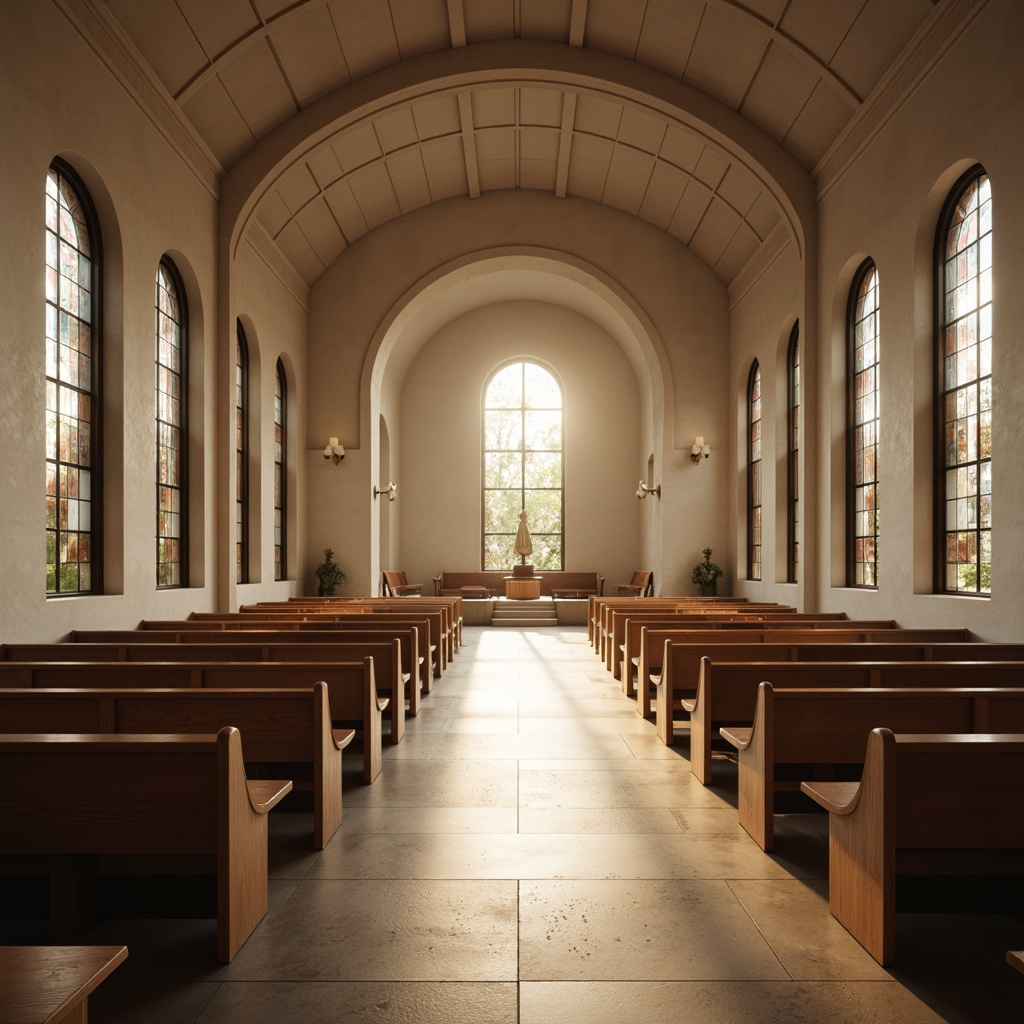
x,y
641,585
396,585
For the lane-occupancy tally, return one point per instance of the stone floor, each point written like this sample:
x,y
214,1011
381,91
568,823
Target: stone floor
x,y
531,852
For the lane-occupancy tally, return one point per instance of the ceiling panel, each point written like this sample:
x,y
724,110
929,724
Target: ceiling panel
x,y
421,25
409,179
217,119
324,166
614,26
297,187
597,116
272,212
588,166
496,155
357,147
715,231
321,231
372,189
739,188
396,129
444,161
779,91
545,19
628,175
711,167
299,253
308,50
366,34
217,26
641,130
692,205
493,107
681,148
763,215
664,190
821,120
726,54
541,107
740,248
254,82
820,25
437,116
346,211
670,27
488,19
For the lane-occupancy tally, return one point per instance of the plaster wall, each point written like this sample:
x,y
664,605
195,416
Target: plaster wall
x,y
885,206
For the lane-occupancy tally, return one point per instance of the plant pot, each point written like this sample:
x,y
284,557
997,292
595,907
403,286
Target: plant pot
x,y
709,589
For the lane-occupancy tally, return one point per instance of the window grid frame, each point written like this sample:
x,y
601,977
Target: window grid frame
x,y
947,474
863,494
64,475
755,522
280,473
171,541
793,456
523,452
241,456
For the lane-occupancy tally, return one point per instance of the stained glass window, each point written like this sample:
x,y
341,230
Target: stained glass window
x,y
241,457
280,472
754,473
171,462
522,471
793,458
965,388
864,421
72,387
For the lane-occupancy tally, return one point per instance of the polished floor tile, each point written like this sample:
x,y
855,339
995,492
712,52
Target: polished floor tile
x,y
531,853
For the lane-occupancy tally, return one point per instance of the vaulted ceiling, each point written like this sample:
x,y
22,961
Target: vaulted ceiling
x,y
799,70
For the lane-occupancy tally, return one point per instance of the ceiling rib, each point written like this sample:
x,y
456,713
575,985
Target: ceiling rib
x,y
565,144
469,144
457,24
578,22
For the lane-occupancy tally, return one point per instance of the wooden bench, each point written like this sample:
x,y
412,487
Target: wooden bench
x,y
493,580
387,656
130,645
727,693
352,692
681,652
396,584
52,984
936,803
93,794
795,728
288,726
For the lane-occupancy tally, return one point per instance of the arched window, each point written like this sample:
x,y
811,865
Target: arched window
x,y
793,457
862,502
241,457
522,471
171,429
73,445
964,414
280,473
754,473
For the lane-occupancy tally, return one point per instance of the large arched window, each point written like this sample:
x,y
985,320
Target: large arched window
x,y
241,457
862,501
964,400
793,457
280,473
754,473
72,387
522,471
171,429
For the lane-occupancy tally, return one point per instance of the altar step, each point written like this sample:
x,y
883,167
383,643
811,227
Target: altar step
x,y
524,613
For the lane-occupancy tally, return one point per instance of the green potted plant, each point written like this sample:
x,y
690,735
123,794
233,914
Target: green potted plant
x,y
705,574
329,573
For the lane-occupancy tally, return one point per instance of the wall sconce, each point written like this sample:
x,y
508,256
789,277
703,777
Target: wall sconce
x,y
334,450
643,490
391,491
699,448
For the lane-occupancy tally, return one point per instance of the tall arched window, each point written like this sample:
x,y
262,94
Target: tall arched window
x,y
862,502
964,414
793,457
73,445
241,457
754,473
171,429
522,471
280,473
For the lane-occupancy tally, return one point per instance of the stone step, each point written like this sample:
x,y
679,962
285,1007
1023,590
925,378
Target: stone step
x,y
524,613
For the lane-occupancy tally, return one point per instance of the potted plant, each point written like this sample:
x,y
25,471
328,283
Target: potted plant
x,y
705,574
329,573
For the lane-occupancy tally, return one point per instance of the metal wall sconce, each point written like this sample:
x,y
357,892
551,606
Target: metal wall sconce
x,y
334,450
699,449
391,491
643,490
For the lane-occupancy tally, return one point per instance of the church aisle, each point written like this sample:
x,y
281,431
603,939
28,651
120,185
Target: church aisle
x,y
532,853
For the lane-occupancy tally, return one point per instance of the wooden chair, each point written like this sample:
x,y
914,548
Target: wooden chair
x,y
396,585
641,585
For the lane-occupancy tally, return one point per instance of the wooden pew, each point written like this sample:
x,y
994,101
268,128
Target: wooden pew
x,y
943,803
427,625
267,642
52,984
289,726
67,796
681,653
352,692
596,607
727,693
387,658
794,728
